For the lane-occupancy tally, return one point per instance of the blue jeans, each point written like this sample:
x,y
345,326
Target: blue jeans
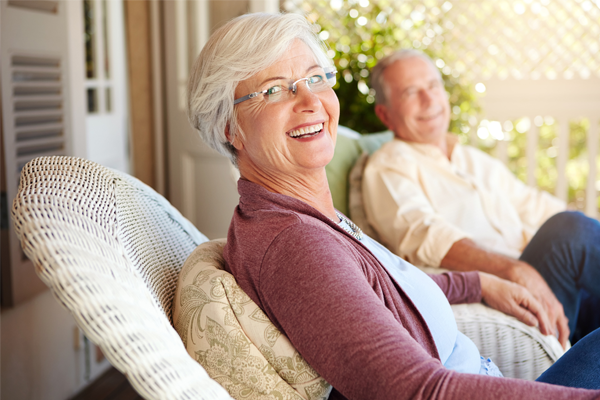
x,y
566,252
579,367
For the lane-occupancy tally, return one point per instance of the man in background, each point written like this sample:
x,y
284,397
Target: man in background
x,y
438,203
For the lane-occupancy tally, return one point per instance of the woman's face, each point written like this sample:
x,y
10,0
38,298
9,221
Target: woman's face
x,y
276,140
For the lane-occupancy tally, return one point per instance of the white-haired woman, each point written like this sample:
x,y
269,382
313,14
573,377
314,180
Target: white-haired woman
x,y
372,325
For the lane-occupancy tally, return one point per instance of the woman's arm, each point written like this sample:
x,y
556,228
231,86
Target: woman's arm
x,y
317,293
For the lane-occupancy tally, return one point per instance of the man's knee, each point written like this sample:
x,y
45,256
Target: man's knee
x,y
569,226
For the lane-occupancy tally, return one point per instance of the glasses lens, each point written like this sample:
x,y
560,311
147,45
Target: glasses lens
x,y
330,76
317,83
275,94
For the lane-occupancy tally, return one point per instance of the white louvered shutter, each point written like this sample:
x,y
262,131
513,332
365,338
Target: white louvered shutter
x,y
39,77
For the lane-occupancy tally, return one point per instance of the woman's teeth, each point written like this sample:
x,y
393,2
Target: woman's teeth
x,y
307,130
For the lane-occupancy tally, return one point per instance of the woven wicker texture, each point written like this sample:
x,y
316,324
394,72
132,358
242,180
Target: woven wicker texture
x,y
110,249
520,351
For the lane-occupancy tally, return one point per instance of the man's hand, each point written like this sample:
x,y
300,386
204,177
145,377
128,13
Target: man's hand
x,y
525,275
466,255
513,299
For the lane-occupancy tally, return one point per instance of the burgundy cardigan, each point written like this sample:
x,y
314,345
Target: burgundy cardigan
x,y
343,312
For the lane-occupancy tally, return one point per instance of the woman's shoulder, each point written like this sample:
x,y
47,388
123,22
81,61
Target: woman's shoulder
x,y
259,228
253,233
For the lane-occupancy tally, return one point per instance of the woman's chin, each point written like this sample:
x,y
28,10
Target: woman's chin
x,y
314,160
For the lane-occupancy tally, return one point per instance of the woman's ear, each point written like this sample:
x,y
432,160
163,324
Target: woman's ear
x,y
235,141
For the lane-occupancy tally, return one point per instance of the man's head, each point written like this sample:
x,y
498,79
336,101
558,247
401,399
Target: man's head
x,y
410,97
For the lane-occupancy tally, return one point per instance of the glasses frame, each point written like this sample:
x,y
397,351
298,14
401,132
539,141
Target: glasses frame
x,y
329,73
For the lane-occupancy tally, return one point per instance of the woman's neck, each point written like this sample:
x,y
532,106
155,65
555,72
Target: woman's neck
x,y
311,188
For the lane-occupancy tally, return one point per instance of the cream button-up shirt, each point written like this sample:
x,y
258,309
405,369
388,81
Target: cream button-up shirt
x,y
421,203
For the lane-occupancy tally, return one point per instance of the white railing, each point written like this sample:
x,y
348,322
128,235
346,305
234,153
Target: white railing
x,y
564,101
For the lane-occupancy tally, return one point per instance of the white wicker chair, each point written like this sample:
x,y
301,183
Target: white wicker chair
x,y
110,249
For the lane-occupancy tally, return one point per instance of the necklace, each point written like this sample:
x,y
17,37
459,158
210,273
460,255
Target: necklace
x,y
350,227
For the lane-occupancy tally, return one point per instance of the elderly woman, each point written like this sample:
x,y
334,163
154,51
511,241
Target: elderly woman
x,y
371,324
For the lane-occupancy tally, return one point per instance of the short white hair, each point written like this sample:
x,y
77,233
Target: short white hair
x,y
377,79
238,50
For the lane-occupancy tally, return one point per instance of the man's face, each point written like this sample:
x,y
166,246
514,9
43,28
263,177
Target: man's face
x,y
417,108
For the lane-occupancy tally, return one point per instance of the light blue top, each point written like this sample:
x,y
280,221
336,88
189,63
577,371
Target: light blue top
x,y
457,352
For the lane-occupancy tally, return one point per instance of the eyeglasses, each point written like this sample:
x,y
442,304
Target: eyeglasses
x,y
322,80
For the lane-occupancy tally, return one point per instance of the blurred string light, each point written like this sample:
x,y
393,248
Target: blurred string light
x,y
519,8
480,87
523,125
363,88
482,131
491,130
336,4
417,16
496,130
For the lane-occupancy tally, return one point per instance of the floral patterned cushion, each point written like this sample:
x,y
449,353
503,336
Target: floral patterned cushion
x,y
233,339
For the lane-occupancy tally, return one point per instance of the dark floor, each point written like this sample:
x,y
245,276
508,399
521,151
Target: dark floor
x,y
112,385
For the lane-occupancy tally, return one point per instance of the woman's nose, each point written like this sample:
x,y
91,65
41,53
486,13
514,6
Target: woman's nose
x,y
305,100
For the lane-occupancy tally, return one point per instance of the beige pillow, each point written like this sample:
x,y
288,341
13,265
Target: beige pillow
x,y
233,339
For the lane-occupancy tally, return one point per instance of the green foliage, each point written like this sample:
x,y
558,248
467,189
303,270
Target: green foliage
x,y
359,33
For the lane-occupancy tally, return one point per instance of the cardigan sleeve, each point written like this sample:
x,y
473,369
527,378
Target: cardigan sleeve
x,y
459,287
324,300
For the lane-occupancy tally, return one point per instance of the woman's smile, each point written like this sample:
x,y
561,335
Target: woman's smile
x,y
306,131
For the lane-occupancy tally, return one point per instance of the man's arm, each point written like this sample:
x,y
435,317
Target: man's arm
x,y
402,215
466,255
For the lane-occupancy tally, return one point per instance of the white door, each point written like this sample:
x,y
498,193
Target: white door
x,y
200,181
106,84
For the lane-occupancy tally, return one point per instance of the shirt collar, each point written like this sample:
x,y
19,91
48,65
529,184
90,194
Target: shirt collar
x,y
432,151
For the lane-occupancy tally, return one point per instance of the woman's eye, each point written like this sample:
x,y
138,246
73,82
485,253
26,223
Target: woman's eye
x,y
273,90
315,79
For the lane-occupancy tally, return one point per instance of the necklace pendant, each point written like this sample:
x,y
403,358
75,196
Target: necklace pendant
x,y
354,230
